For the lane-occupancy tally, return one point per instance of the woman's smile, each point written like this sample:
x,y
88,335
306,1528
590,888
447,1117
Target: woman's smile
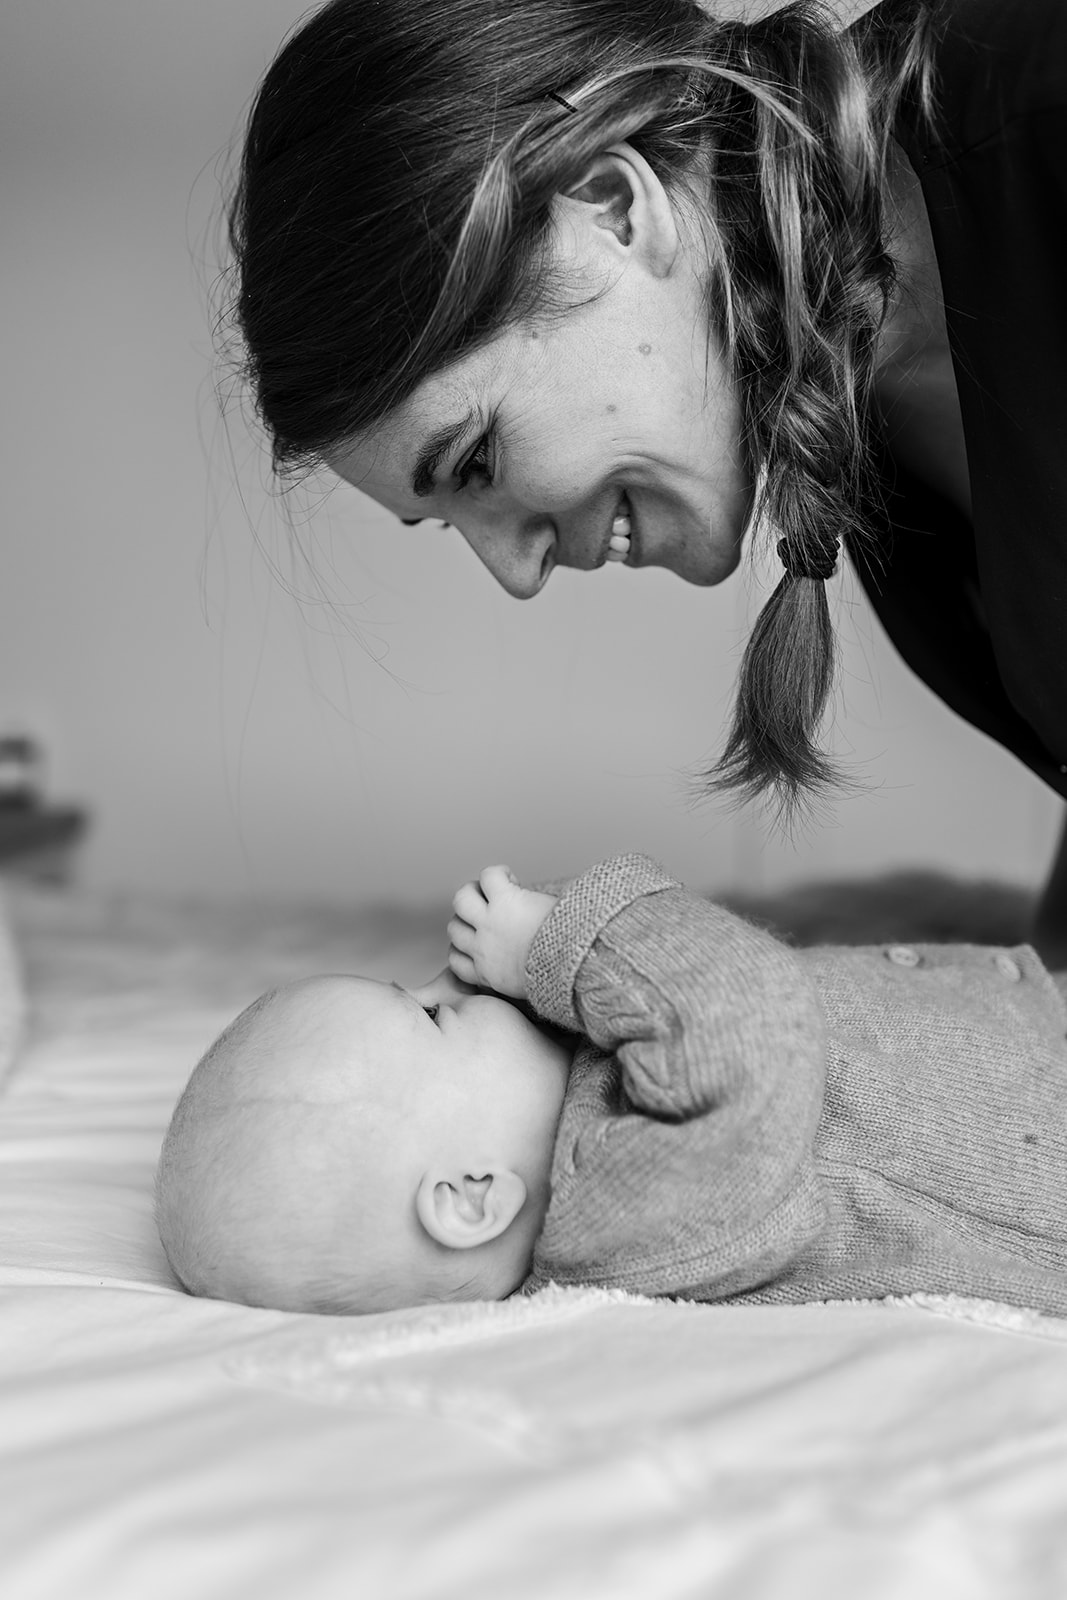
x,y
554,481
621,542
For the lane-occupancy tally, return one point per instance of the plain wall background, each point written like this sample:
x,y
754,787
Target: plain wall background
x,y
263,695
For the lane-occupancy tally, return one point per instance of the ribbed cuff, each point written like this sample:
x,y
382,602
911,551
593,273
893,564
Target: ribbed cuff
x,y
566,936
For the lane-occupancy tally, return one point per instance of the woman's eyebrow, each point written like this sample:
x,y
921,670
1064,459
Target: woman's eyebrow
x,y
435,448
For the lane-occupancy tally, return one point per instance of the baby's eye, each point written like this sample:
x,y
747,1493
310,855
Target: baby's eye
x,y
431,1012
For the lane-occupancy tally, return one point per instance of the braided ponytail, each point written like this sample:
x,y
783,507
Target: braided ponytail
x,y
802,293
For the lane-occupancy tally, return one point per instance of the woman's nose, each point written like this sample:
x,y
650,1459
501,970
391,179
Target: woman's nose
x,y
519,553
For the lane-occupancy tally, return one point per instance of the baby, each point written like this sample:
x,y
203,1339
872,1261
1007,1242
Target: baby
x,y
349,1145
627,1085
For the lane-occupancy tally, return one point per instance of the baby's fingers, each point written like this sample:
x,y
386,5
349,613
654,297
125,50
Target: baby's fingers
x,y
462,966
495,879
469,903
461,935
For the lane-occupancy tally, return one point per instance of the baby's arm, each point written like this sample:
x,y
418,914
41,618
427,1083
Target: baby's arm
x,y
494,925
701,1171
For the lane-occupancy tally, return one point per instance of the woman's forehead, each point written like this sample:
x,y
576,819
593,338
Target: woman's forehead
x,y
373,462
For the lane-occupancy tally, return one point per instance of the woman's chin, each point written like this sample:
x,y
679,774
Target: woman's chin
x,y
702,565
699,549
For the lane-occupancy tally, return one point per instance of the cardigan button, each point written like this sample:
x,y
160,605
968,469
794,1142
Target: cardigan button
x,y
902,955
1007,967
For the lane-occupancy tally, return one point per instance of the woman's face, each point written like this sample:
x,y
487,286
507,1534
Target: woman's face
x,y
535,445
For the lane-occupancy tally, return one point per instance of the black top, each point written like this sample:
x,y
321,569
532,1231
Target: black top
x,y
979,610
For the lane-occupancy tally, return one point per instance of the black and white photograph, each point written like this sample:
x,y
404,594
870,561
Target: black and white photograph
x,y
533,750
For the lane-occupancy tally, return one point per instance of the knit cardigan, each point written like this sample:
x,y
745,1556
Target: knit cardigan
x,y
752,1122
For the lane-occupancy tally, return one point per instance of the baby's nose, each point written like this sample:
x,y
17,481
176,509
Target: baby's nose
x,y
446,986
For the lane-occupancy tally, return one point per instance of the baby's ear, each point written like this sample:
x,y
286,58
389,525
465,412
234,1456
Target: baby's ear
x,y
462,1210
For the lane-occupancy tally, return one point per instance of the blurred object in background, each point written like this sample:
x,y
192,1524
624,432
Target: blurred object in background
x,y
21,771
37,840
928,907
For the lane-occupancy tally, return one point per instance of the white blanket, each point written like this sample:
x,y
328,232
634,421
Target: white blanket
x,y
12,997
576,1444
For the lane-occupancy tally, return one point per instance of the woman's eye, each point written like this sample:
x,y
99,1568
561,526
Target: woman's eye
x,y
476,464
431,1012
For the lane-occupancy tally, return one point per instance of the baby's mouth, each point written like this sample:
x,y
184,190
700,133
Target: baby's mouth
x,y
619,543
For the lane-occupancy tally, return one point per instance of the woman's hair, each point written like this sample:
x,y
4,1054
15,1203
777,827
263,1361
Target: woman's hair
x,y
392,213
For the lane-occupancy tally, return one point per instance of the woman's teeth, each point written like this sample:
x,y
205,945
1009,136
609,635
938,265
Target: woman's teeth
x,y
619,543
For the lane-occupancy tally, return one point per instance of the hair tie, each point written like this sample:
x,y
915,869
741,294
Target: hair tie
x,y
819,564
558,98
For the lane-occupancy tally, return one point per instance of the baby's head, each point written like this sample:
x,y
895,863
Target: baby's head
x,y
346,1145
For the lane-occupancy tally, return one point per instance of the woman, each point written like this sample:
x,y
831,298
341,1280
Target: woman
x,y
614,280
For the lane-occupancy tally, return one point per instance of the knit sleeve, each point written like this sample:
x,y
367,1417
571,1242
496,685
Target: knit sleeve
x,y
701,1173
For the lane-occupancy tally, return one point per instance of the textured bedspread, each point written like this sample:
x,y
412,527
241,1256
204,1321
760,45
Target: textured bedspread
x,y
575,1444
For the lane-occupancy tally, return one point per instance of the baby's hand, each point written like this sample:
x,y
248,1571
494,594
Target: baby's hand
x,y
493,928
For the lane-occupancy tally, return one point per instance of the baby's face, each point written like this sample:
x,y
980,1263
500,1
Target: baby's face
x,y
494,1056
442,1078
458,1061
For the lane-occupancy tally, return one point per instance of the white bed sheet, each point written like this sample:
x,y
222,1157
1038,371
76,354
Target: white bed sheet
x,y
575,1444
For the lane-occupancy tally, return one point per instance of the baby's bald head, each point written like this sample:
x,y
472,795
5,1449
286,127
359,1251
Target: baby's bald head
x,y
277,1178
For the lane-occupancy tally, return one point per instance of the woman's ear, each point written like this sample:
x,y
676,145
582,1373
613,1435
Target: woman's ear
x,y
462,1210
619,206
